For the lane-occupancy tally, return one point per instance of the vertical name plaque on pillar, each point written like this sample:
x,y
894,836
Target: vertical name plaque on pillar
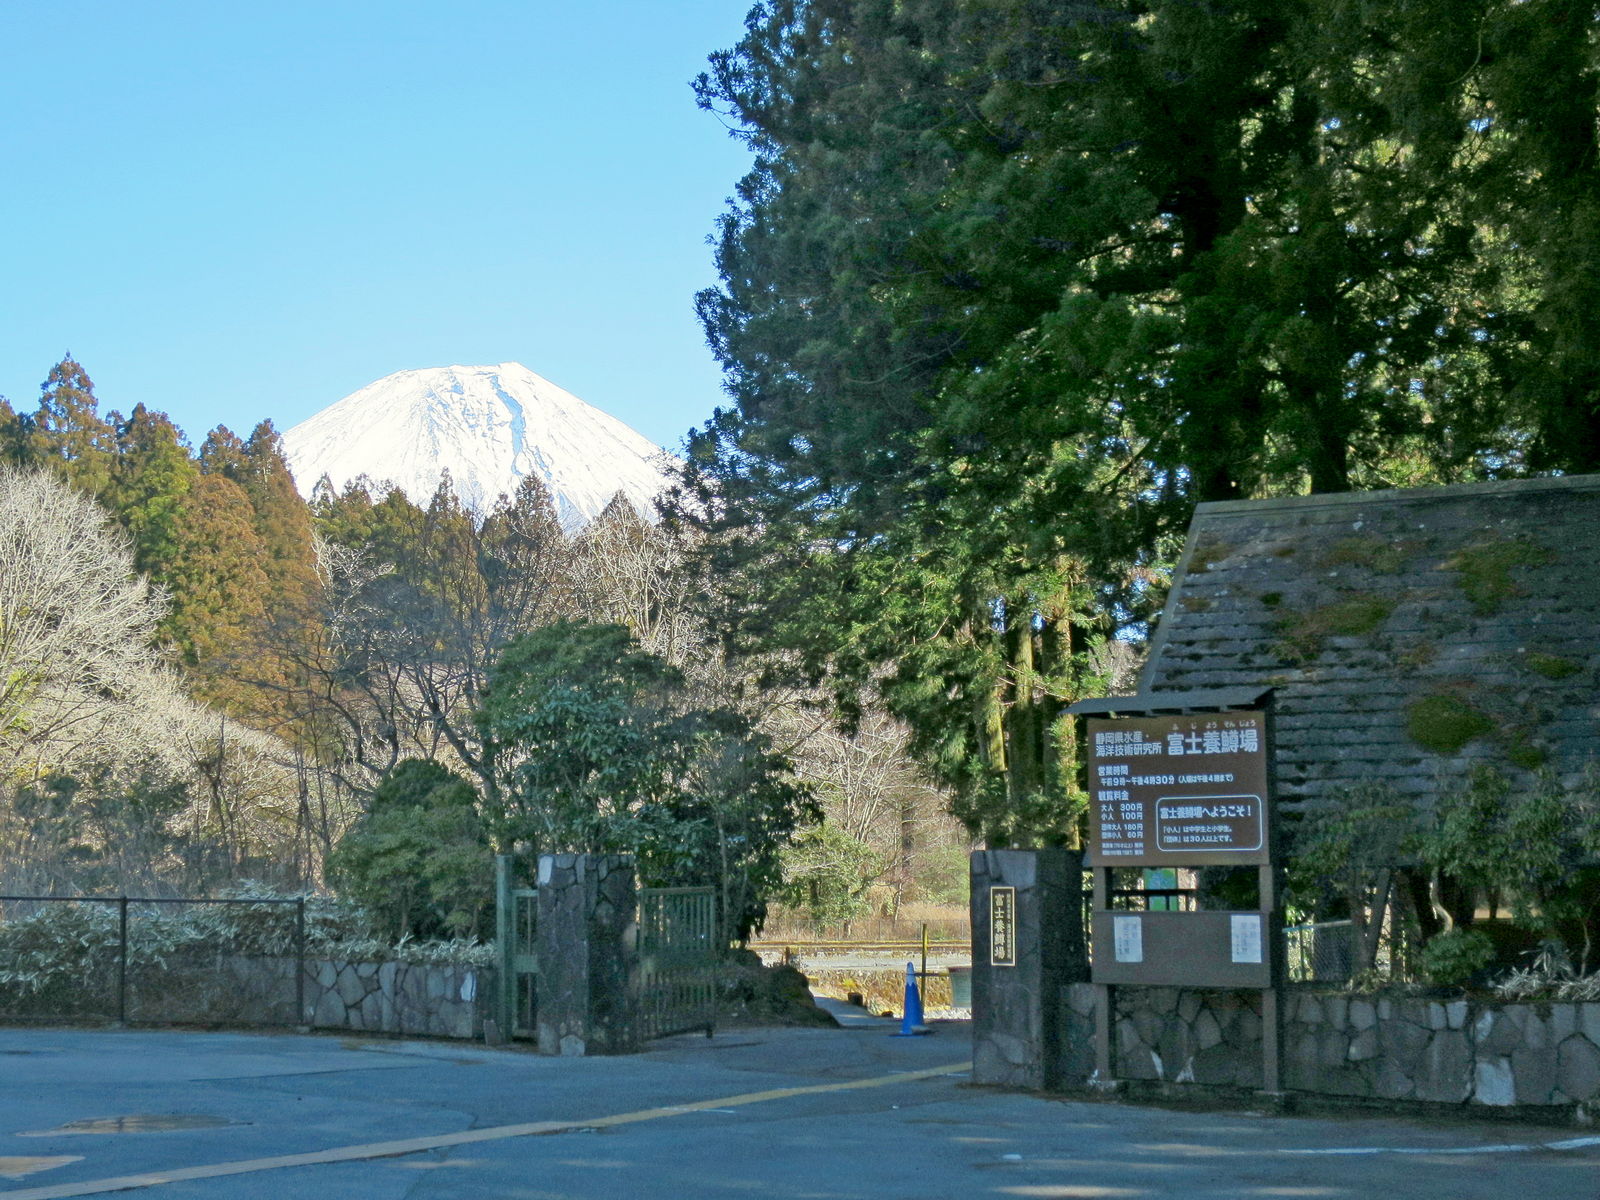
x,y
1002,926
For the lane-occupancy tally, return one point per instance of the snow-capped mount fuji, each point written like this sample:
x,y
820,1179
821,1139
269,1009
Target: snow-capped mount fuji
x,y
490,427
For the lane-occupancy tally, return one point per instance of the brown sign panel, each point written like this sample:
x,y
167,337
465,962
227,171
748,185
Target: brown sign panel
x,y
1178,791
1182,949
1003,926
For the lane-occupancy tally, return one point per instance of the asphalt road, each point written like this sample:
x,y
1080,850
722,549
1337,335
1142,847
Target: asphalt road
x,y
777,1113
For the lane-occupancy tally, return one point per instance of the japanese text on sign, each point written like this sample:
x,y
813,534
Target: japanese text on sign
x,y
1245,940
1224,822
1127,938
1003,926
1131,743
1178,790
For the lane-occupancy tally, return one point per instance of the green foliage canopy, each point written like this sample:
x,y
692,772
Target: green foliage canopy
x,y
826,875
1534,849
597,746
1012,285
580,730
419,859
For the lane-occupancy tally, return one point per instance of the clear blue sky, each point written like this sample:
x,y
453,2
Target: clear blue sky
x,y
238,209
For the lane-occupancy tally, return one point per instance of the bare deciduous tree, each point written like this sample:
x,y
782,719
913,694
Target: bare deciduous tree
x,y
89,706
76,622
628,572
410,636
870,789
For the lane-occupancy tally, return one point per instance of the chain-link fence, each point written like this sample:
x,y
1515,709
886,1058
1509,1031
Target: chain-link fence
x,y
1332,952
142,959
1321,953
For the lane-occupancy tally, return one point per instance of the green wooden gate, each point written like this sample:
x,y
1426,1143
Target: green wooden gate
x,y
516,928
678,960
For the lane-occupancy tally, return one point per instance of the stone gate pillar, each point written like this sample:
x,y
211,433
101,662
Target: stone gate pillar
x,y
1027,945
587,935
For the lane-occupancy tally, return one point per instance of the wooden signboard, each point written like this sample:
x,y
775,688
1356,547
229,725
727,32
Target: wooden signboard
x,y
1179,791
1189,949
1183,780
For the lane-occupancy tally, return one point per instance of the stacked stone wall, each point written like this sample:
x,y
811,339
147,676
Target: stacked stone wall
x,y
391,997
1457,1051
364,997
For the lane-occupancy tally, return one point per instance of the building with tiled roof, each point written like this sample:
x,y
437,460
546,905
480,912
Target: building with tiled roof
x,y
1407,634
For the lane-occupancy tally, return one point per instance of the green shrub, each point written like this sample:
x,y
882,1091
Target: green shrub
x,y
1451,959
62,961
419,859
826,874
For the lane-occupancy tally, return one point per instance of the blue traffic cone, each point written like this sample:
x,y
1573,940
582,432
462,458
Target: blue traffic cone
x,y
911,1024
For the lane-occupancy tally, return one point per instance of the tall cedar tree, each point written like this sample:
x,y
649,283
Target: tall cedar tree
x,y
151,478
282,519
1503,95
269,662
70,430
1012,285
218,588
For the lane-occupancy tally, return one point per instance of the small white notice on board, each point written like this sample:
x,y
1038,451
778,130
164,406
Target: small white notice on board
x,y
1128,934
1246,938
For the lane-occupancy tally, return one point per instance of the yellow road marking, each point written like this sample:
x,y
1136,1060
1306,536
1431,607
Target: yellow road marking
x,y
466,1137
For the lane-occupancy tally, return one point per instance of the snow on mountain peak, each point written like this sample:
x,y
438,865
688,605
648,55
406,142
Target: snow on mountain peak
x,y
490,427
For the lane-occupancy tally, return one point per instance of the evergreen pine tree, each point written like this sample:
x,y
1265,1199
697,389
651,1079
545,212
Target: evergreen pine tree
x,y
70,429
150,481
19,445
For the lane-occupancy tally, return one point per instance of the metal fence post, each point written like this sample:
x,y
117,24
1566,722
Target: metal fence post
x,y
300,962
505,937
122,961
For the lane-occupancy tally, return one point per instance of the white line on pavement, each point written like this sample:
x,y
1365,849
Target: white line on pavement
x,y
1582,1143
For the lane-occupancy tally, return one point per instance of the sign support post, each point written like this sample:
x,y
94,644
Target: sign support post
x,y
1105,1009
1271,885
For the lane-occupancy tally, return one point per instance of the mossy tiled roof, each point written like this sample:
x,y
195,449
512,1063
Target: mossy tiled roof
x,y
1409,634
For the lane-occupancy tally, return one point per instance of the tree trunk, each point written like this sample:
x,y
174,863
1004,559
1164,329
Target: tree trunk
x,y
1024,760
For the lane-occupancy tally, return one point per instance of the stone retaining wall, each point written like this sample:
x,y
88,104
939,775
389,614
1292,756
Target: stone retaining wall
x,y
1404,1048
365,997
396,997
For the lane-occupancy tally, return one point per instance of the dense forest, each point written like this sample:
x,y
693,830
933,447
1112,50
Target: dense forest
x,y
209,679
